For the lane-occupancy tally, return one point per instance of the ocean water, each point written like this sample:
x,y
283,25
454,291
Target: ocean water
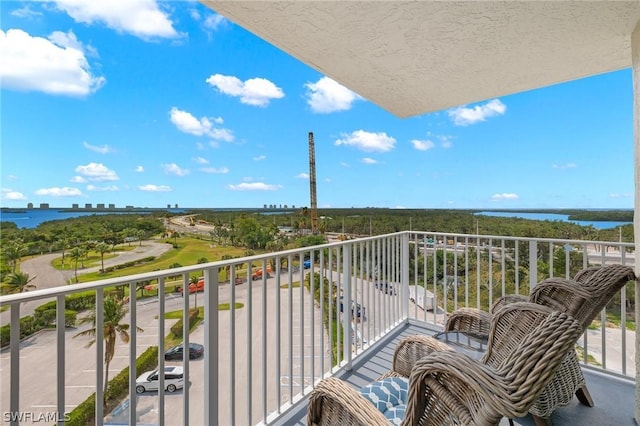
x,y
554,216
31,218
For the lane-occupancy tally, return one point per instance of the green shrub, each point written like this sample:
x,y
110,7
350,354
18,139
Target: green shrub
x,y
176,328
117,388
70,318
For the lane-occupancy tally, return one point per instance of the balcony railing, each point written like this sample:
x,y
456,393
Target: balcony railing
x,y
293,318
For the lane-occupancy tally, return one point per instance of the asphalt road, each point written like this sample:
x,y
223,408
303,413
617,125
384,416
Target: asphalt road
x,y
46,276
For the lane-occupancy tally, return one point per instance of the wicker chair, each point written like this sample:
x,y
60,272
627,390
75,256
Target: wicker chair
x,y
583,298
526,345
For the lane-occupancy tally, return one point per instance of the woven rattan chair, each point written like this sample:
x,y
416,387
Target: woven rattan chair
x,y
526,346
583,298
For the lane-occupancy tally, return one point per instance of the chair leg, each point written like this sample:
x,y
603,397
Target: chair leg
x,y
584,396
541,421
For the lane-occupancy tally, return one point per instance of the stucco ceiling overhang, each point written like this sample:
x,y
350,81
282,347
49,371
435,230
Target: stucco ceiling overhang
x,y
414,57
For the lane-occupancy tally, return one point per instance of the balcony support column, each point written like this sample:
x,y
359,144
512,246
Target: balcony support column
x,y
635,62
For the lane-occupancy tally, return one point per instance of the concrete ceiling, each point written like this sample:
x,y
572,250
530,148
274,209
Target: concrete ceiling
x,y
414,57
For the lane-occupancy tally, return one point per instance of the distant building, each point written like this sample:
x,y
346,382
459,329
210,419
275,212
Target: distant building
x,y
112,206
176,205
44,205
129,207
88,206
168,206
100,206
30,205
264,206
75,206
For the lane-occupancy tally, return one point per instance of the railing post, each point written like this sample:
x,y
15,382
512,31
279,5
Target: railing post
x,y
346,305
14,338
60,357
533,264
211,377
404,276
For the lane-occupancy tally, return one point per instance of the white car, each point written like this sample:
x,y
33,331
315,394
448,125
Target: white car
x,y
173,380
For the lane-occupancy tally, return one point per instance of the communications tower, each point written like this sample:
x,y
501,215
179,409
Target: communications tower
x,y
312,184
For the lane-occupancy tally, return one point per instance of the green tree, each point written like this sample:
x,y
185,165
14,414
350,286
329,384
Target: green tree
x,y
114,312
19,282
76,254
102,248
193,279
13,253
140,234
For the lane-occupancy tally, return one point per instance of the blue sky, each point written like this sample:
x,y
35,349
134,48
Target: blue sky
x,y
151,103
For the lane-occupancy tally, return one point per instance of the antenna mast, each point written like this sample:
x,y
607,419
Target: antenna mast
x,y
312,184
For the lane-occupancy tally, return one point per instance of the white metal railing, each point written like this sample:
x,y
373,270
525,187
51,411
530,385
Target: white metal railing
x,y
280,336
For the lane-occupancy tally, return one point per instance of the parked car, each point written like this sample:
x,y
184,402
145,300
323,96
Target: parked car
x,y
196,350
387,287
193,288
173,380
357,310
306,264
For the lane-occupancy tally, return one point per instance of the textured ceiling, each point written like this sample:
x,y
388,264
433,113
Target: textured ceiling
x,y
421,56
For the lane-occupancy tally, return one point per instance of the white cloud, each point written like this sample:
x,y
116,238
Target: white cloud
x,y
104,149
57,66
422,145
463,116
302,176
12,177
187,123
255,91
565,166
25,12
622,195
59,192
154,188
367,160
254,186
260,158
10,194
343,164
97,172
139,169
201,160
214,21
77,179
174,169
504,196
141,18
215,170
367,141
327,95
102,188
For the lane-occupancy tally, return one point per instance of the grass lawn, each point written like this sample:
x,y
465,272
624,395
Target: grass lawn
x,y
93,258
172,339
189,251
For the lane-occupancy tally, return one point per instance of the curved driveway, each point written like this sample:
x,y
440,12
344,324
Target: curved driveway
x,y
46,276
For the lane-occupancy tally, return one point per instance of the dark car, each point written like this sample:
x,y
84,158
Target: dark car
x,y
196,350
387,287
357,310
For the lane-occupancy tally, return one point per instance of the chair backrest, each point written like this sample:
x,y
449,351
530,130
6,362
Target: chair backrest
x,y
527,344
586,296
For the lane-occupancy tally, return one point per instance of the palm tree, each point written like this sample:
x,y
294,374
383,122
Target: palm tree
x,y
13,253
19,282
193,279
102,248
114,312
140,234
76,253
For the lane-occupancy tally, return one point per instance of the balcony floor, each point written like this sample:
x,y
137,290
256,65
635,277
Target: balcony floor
x,y
614,398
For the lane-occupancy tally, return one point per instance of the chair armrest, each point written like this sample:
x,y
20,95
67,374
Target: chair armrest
x,y
410,350
334,402
471,321
450,384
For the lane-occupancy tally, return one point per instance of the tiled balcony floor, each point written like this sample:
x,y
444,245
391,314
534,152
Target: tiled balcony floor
x,y
614,398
